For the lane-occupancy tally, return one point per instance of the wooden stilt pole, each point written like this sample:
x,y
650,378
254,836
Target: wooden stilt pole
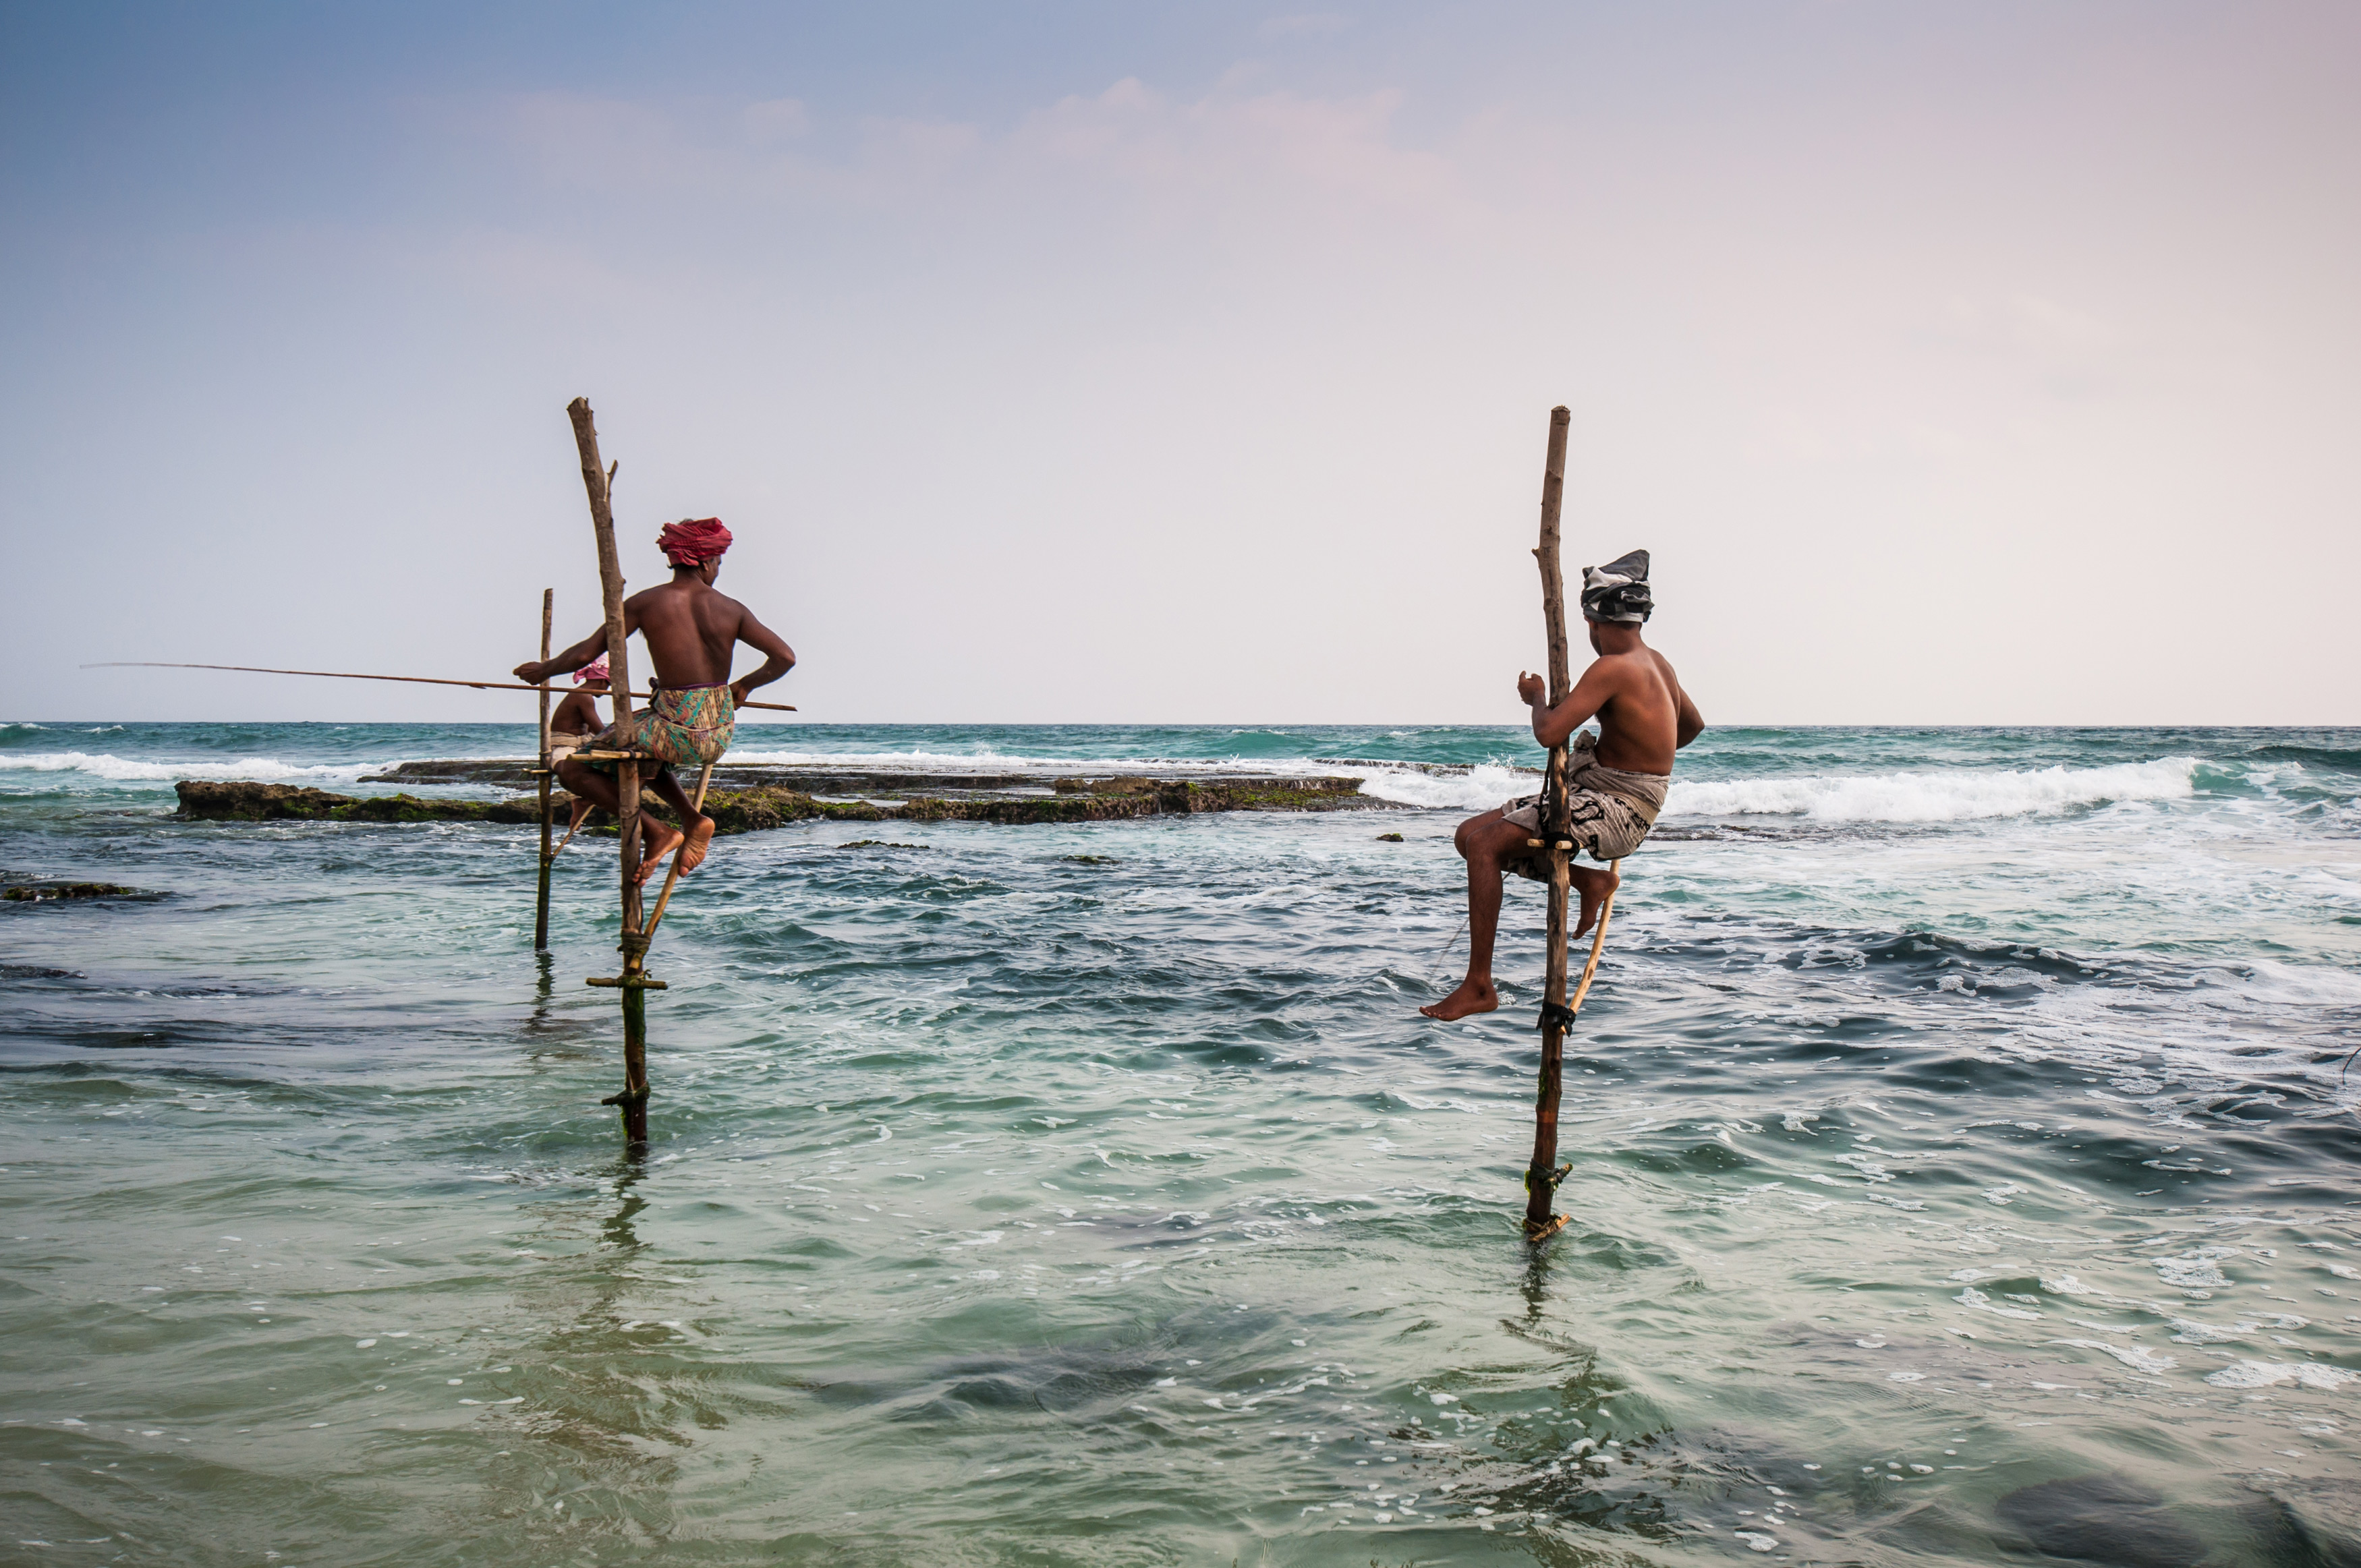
x,y
598,480
673,876
1542,1175
540,910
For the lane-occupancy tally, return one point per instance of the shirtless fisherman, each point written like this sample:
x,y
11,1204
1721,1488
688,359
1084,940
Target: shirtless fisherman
x,y
577,719
1615,783
576,724
691,631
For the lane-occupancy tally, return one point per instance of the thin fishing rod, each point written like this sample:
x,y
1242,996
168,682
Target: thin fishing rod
x,y
344,675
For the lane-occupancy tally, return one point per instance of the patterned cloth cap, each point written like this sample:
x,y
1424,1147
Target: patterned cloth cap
x,y
1618,590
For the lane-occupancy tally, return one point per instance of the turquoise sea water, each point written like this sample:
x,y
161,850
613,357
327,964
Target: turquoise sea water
x,y
1959,1112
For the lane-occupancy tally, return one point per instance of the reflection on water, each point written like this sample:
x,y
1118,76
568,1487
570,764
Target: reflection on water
x,y
1933,1202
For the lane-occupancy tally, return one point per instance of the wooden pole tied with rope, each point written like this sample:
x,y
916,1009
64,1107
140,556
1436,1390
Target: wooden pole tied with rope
x,y
1543,1173
673,876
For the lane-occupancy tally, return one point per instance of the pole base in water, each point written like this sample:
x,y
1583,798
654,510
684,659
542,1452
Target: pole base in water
x,y
1536,1235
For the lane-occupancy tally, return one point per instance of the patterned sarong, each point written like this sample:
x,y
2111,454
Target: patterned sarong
x,y
689,725
1608,810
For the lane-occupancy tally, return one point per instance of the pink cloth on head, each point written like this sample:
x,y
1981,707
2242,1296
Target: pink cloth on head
x,y
693,541
595,670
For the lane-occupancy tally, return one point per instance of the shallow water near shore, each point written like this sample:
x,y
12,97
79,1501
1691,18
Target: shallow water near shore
x,y
1958,1113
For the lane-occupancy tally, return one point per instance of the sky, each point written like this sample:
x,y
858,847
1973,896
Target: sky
x,y
1981,363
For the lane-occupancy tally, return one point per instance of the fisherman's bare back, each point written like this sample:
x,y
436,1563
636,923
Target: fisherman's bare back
x,y
691,629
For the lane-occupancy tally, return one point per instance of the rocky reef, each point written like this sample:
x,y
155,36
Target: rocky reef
x,y
202,800
46,892
761,806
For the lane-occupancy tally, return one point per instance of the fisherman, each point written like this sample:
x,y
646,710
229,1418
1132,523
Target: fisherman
x,y
577,720
691,631
1615,781
575,725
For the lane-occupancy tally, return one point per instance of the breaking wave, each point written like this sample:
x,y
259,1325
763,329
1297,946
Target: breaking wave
x,y
986,761
1951,795
104,765
2342,758
1481,788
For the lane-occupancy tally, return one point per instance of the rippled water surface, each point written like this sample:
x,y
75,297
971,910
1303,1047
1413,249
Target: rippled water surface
x,y
1962,1161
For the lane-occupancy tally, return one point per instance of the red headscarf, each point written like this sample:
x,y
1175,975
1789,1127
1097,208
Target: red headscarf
x,y
693,541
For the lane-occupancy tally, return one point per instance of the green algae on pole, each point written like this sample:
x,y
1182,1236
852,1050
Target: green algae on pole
x,y
540,909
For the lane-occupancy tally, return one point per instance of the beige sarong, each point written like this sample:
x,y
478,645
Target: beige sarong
x,y
1608,810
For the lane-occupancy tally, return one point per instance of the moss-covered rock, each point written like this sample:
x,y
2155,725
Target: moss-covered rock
x,y
757,809
204,800
42,891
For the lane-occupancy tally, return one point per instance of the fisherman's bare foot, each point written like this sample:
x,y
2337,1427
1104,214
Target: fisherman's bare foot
x,y
700,839
1594,886
662,839
1473,996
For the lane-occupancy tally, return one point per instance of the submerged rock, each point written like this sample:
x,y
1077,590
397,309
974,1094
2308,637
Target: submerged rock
x,y
2111,1519
2307,1523
42,891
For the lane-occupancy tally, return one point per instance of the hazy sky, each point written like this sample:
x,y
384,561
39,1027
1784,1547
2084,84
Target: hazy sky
x,y
1959,362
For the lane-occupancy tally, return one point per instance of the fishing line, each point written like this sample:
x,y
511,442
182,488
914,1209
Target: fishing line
x,y
1435,963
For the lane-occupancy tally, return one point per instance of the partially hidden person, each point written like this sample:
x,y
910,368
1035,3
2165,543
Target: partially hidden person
x,y
575,725
1616,781
691,631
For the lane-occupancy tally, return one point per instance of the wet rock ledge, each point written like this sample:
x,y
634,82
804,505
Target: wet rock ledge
x,y
759,807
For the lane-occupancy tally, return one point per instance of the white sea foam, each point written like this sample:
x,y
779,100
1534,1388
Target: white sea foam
x,y
1952,794
2196,1270
1481,788
104,765
2188,1330
987,761
1956,794
2264,1373
2133,1356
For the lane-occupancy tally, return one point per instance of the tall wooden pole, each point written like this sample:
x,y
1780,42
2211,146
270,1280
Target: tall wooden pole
x,y
540,910
595,479
1541,1175
672,877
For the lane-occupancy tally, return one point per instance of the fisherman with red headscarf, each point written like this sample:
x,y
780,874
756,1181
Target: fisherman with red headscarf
x,y
577,719
691,631
575,725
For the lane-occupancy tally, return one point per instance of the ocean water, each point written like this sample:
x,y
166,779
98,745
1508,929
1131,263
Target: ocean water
x,y
1959,1112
